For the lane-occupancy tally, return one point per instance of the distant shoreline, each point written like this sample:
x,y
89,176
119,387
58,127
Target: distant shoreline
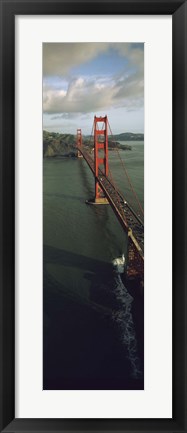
x,y
56,145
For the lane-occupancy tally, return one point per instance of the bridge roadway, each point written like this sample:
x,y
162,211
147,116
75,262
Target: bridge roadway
x,y
128,219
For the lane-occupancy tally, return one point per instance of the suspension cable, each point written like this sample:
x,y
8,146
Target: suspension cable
x,y
91,135
127,175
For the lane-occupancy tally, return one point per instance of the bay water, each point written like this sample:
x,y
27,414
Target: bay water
x,y
93,324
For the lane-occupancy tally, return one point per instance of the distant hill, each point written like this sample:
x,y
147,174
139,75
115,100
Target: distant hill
x,y
55,144
129,136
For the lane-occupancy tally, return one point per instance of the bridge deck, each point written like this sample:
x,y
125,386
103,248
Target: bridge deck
x,y
128,219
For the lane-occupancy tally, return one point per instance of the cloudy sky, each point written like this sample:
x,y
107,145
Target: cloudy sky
x,y
81,80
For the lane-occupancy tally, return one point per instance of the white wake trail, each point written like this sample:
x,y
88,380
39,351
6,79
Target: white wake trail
x,y
125,321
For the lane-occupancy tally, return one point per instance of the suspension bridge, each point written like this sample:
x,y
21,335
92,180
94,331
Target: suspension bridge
x,y
106,192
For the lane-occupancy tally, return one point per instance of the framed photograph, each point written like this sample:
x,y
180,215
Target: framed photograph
x,y
93,293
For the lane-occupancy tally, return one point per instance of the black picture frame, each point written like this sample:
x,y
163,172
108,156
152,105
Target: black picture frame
x,y
8,11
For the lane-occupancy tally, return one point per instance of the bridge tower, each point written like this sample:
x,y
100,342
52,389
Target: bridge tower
x,y
79,142
100,160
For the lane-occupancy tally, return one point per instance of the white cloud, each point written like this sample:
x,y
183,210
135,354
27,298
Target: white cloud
x,y
58,58
85,94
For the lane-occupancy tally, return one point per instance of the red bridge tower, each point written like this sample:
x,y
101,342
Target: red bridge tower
x,y
79,142
101,156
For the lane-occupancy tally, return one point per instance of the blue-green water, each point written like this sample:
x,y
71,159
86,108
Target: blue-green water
x,y
93,326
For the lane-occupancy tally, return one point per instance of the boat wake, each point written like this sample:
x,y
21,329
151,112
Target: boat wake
x,y
119,264
123,317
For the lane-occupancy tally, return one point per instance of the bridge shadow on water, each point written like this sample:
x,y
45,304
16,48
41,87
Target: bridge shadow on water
x,y
82,349
69,258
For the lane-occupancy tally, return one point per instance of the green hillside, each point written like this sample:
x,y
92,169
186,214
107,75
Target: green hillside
x,y
56,144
